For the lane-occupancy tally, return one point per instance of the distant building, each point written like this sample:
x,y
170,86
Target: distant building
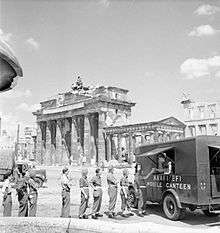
x,y
201,118
26,145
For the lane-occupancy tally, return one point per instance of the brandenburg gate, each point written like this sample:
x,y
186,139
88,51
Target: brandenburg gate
x,y
72,124
94,123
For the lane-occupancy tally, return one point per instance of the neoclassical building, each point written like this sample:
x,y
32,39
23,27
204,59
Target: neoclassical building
x,y
94,122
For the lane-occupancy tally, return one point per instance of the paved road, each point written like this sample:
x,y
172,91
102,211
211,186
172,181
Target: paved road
x,y
49,203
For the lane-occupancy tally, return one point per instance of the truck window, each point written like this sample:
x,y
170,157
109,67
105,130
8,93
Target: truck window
x,y
166,162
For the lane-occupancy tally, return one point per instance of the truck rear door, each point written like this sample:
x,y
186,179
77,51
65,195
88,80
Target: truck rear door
x,y
214,162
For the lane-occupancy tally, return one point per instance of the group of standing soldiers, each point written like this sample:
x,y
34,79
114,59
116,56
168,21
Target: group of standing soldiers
x,y
26,185
96,185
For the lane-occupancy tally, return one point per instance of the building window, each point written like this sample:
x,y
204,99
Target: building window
x,y
201,112
202,130
212,110
192,131
213,129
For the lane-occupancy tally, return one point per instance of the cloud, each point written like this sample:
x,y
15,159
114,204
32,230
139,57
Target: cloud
x,y
32,43
104,3
26,108
196,68
6,37
203,30
14,94
206,10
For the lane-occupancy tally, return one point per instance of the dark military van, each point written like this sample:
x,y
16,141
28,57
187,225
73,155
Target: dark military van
x,y
183,174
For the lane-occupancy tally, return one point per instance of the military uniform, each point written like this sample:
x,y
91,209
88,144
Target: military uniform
x,y
138,193
83,184
97,194
21,188
33,195
65,211
124,183
7,200
112,192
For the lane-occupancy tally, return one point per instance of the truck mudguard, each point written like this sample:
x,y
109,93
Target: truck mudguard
x,y
172,191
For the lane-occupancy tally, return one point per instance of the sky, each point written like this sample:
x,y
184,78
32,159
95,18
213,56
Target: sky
x,y
158,50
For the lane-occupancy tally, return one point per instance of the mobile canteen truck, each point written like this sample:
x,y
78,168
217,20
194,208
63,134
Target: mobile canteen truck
x,y
193,181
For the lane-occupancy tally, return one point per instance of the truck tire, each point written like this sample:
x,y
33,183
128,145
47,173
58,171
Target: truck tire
x,y
209,214
132,200
170,208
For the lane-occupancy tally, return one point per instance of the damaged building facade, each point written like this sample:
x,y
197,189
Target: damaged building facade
x,y
94,122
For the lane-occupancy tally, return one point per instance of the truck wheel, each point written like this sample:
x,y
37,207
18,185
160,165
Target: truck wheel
x,y
209,214
170,208
132,200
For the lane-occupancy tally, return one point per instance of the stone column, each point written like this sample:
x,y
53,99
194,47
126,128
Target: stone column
x,y
64,160
53,131
119,147
59,144
40,145
108,147
75,154
101,138
113,147
48,145
87,138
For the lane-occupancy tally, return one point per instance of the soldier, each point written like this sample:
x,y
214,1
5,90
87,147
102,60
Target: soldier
x,y
124,183
84,188
65,184
112,191
22,192
7,200
34,183
96,184
138,192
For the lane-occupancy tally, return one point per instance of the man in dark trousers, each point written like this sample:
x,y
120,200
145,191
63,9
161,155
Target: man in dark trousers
x,y
35,182
138,191
21,184
65,184
84,190
124,183
7,200
112,191
96,184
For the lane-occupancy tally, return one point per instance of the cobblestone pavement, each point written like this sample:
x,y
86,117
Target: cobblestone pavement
x,y
49,202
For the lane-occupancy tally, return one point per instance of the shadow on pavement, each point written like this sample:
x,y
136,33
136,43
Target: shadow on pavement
x,y
192,218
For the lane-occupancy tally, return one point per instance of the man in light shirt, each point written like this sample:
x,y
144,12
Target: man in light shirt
x,y
65,184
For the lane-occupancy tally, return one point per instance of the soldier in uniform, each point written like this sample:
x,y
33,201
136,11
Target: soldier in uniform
x,y
7,200
138,191
65,184
96,184
21,185
84,188
34,183
112,191
124,183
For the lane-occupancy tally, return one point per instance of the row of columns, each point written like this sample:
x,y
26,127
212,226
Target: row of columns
x,y
114,143
66,140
